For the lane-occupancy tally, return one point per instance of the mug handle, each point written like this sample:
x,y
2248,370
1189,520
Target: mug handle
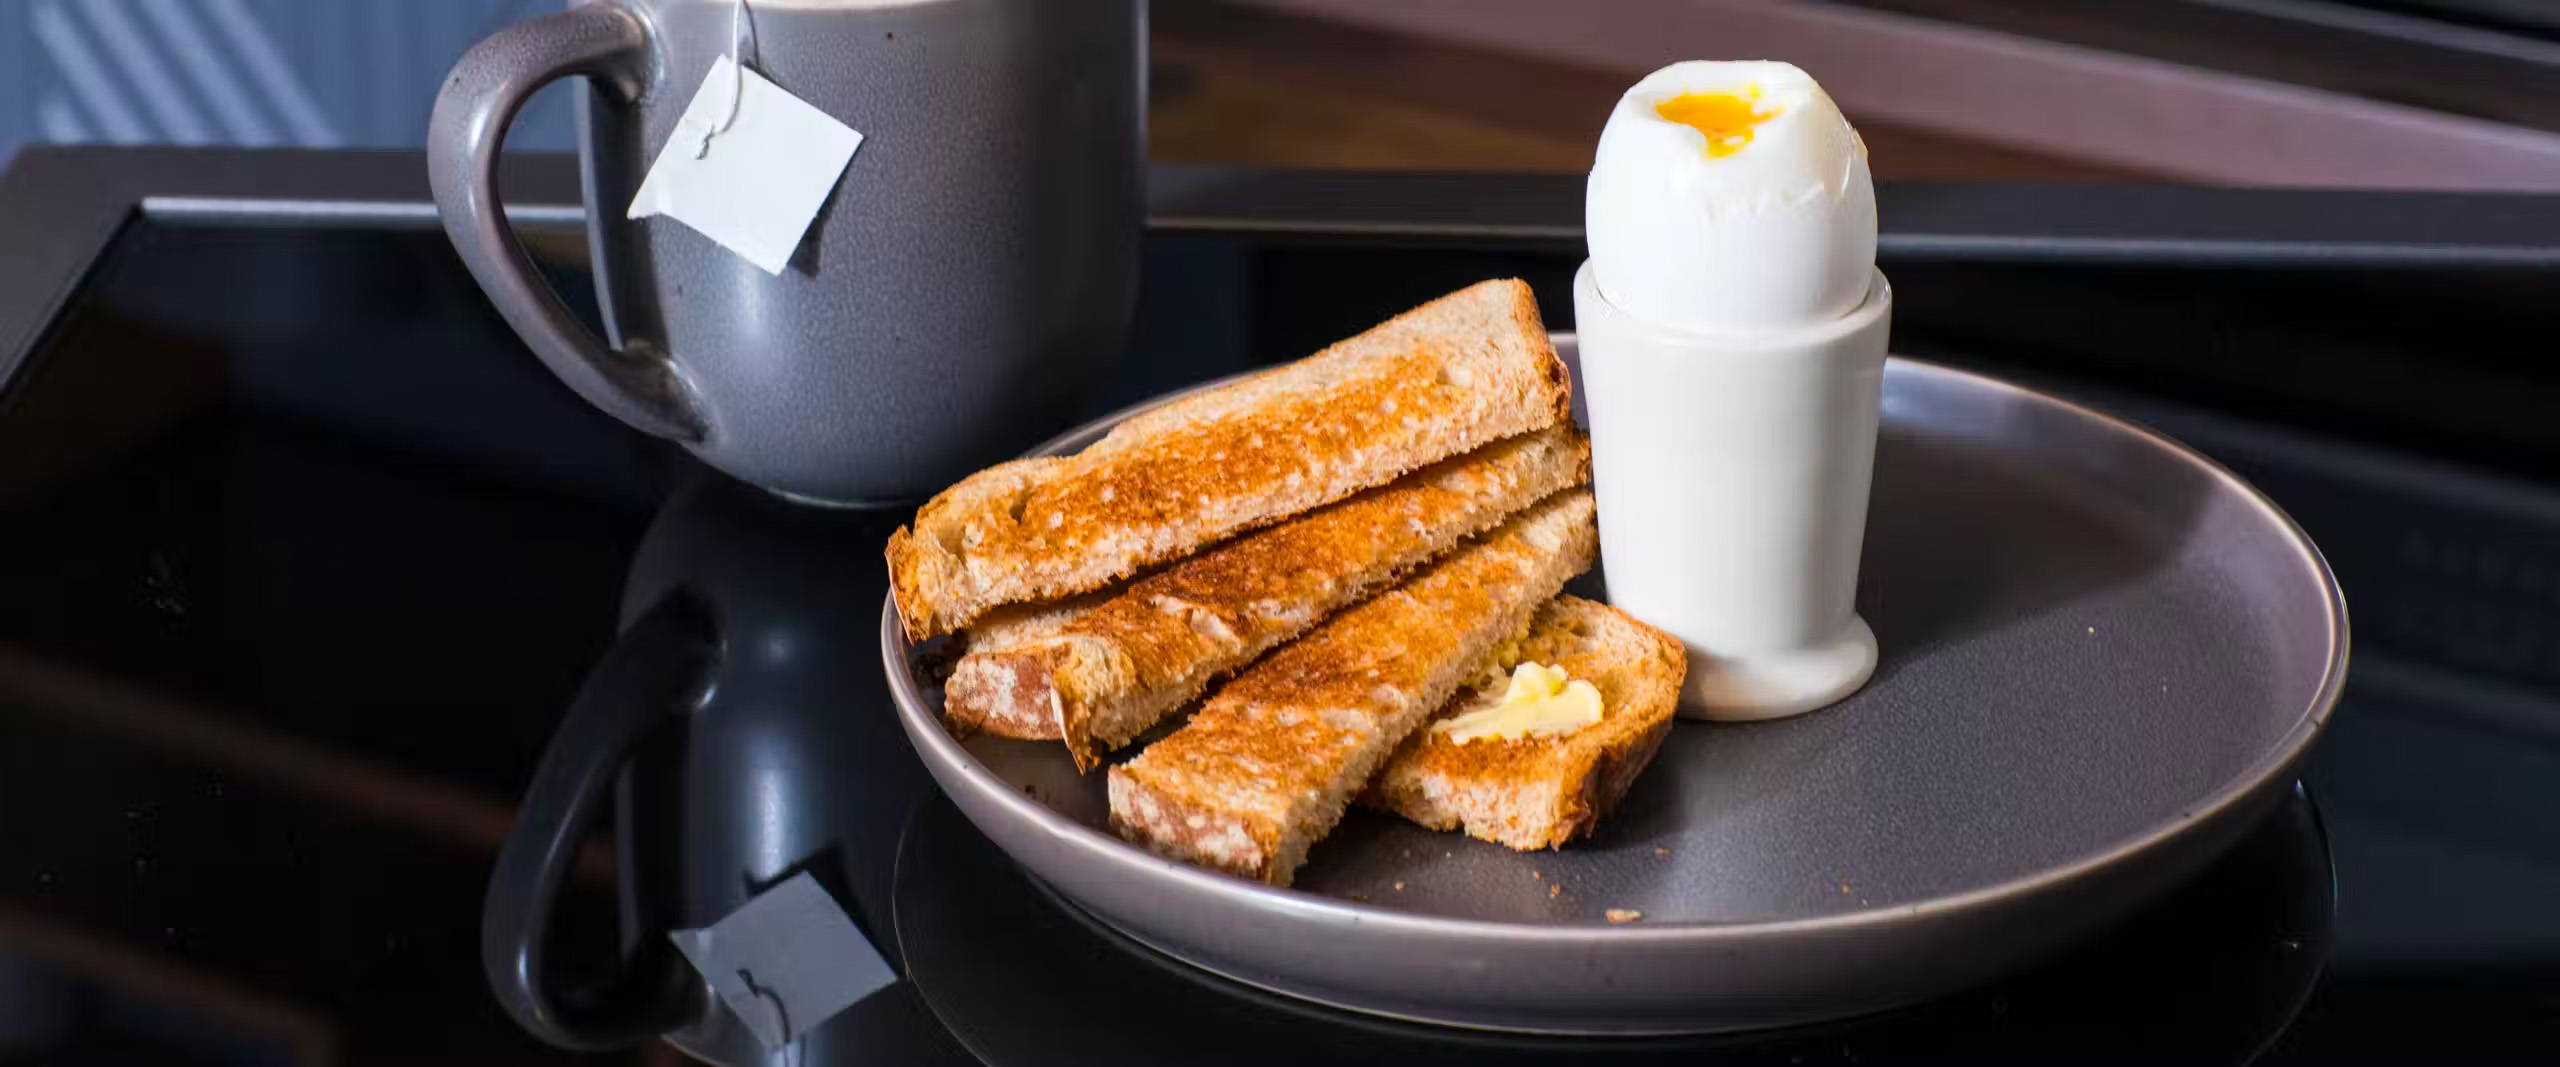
x,y
480,98
657,668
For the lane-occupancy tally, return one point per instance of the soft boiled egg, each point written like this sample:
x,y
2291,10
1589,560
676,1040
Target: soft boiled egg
x,y
1731,197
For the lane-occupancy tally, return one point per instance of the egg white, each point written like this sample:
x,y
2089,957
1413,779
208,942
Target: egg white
x,y
1779,234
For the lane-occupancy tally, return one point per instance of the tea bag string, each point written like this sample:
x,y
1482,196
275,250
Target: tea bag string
x,y
739,26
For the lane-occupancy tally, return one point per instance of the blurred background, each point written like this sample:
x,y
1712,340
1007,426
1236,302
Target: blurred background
x,y
2446,94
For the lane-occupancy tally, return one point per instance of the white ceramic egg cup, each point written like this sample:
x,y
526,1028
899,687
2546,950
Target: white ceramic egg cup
x,y
1732,473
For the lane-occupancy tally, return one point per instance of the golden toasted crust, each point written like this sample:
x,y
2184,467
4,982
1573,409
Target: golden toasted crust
x,y
1020,624
1537,793
1008,627
1469,368
1265,768
1104,677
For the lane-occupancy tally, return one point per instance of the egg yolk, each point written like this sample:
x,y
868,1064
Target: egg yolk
x,y
1727,118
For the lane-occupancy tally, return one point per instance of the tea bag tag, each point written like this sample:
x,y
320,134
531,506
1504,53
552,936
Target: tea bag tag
x,y
753,187
786,961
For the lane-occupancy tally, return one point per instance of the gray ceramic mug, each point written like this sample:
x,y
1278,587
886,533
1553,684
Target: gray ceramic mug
x,y
973,268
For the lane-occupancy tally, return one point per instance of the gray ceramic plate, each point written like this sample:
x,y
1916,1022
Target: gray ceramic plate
x,y
2103,658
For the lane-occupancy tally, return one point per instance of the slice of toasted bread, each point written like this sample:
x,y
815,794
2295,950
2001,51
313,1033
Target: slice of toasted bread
x,y
1459,372
1014,625
1265,768
1103,678
1540,792
1005,628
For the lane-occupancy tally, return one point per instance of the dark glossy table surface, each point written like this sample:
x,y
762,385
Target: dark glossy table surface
x,y
302,557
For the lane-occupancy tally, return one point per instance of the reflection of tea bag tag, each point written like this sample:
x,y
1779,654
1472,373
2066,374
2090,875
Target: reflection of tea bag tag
x,y
786,961
755,187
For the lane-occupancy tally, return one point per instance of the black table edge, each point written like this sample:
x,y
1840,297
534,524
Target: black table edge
x,y
61,206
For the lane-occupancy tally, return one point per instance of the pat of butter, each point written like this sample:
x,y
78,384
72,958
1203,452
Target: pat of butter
x,y
1540,702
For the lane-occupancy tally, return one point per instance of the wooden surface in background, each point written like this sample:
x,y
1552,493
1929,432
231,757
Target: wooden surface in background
x,y
1238,86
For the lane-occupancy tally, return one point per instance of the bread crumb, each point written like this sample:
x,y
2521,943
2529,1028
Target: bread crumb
x,y
1555,890
1399,887
1623,915
1844,888
2093,629
1661,851
1537,875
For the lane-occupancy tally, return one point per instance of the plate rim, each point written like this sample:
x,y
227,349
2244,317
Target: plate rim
x,y
2279,759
